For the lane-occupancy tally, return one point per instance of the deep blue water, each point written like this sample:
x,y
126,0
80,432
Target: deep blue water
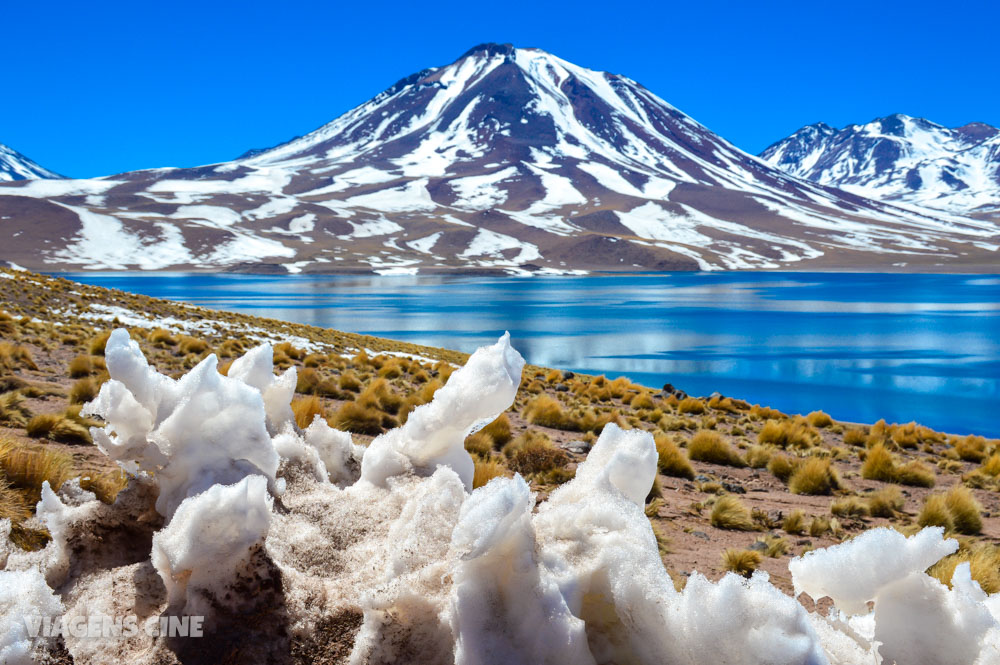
x,y
859,346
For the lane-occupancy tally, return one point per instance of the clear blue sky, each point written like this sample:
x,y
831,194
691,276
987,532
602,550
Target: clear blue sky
x,y
91,89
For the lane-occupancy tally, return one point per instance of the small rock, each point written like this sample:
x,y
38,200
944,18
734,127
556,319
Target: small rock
x,y
702,478
562,388
700,534
804,543
668,388
715,395
758,546
567,375
734,488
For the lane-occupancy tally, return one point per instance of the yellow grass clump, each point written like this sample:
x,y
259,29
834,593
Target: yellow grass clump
x,y
708,446
487,470
533,452
82,366
58,427
13,412
671,460
819,419
691,405
730,513
97,344
782,466
741,562
306,409
545,411
885,502
788,434
498,431
815,476
358,418
855,436
966,512
794,523
849,506
971,448
83,390
13,356
983,560
935,513
880,464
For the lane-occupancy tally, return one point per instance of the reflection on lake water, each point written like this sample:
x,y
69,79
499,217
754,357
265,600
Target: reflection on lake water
x,y
859,346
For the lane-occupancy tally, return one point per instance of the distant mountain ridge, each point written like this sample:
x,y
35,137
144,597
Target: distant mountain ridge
x,y
15,166
901,159
508,159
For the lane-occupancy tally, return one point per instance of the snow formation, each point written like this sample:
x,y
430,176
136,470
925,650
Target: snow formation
x,y
299,546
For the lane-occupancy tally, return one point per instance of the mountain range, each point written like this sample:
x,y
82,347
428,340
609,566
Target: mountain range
x,y
901,159
507,159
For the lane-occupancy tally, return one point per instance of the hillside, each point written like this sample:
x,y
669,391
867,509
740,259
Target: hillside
x,y
506,160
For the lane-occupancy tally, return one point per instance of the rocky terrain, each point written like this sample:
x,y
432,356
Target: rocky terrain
x,y
507,159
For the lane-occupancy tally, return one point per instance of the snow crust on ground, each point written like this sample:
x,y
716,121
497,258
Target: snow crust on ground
x,y
384,555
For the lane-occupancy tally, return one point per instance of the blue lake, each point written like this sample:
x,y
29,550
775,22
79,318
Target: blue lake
x,y
859,346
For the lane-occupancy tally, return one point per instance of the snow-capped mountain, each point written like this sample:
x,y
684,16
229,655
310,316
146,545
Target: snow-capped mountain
x,y
15,166
900,159
506,159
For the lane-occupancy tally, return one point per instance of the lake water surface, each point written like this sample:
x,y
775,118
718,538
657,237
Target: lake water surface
x,y
859,346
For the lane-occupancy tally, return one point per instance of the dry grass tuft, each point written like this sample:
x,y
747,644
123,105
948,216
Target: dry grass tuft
x,y
13,412
794,523
741,562
788,434
730,513
691,405
880,464
758,457
533,452
498,431
849,506
85,366
815,476
546,411
671,460
83,390
886,502
966,512
13,356
855,437
306,409
97,344
708,446
358,418
58,427
485,471
935,513
984,562
971,448
782,466
819,419
27,467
